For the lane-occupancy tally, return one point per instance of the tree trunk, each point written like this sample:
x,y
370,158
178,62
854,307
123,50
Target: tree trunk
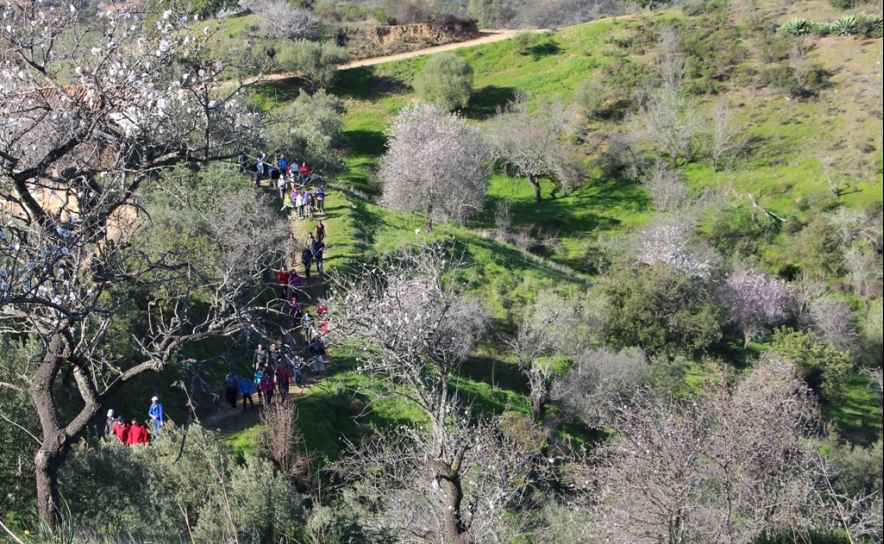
x,y
532,179
429,224
46,464
536,406
448,477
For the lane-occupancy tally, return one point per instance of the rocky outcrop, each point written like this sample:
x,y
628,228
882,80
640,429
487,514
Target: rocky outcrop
x,y
364,42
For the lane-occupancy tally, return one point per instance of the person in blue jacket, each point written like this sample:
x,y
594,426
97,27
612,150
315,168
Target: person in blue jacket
x,y
246,388
156,414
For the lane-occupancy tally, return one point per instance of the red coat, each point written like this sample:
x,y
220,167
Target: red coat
x,y
282,277
138,435
121,431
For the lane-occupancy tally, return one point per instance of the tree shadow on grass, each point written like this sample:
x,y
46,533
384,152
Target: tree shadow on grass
x,y
364,84
485,101
280,90
544,49
583,210
366,143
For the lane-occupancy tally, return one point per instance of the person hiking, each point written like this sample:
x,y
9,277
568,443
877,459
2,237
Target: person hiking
x,y
260,357
283,379
319,197
266,385
231,388
272,359
157,415
299,204
306,258
137,433
307,326
121,429
283,164
246,388
318,257
283,278
304,172
320,231
297,365
294,281
259,375
317,350
109,422
281,186
243,162
291,249
288,206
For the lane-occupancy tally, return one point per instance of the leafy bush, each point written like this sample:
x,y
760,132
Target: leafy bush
x,y
314,62
845,26
523,41
797,27
447,81
661,310
870,26
820,364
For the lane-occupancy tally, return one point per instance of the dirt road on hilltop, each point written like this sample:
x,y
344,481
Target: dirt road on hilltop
x,y
487,36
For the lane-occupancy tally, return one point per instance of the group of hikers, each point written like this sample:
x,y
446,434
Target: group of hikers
x,y
135,432
275,369
310,254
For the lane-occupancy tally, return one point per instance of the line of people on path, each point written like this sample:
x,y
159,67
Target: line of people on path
x,y
275,369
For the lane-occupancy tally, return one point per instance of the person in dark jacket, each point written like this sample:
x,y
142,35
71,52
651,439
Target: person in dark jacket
x,y
231,388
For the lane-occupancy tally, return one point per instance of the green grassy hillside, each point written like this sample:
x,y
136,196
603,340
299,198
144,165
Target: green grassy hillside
x,y
787,139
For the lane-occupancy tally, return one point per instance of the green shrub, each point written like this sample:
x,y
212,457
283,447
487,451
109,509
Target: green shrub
x,y
523,41
845,26
820,364
818,248
797,27
447,81
870,26
661,310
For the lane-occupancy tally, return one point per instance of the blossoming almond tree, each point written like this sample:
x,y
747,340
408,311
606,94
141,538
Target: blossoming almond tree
x,y
95,111
435,163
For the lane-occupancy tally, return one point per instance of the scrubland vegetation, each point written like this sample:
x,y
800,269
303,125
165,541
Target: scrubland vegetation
x,y
619,281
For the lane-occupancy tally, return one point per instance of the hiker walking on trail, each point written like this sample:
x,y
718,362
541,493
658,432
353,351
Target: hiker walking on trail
x,y
320,231
306,258
246,388
319,197
266,385
283,379
291,249
137,433
297,365
318,257
231,388
304,172
157,415
287,206
109,422
283,278
259,375
299,204
121,429
317,350
260,357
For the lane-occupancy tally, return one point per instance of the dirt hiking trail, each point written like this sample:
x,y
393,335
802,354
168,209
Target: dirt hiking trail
x,y
486,36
